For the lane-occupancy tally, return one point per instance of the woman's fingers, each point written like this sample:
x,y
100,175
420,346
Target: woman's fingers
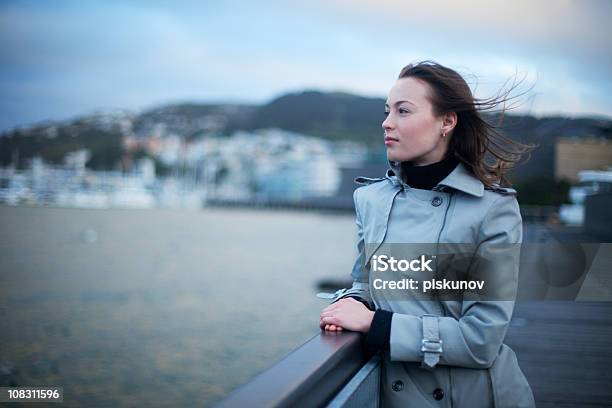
x,y
330,320
323,317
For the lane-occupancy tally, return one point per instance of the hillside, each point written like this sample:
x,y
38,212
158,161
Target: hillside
x,y
333,116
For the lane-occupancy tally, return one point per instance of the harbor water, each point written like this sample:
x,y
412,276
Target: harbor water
x,y
159,307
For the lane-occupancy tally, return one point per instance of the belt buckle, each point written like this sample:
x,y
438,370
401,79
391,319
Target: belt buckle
x,y
431,346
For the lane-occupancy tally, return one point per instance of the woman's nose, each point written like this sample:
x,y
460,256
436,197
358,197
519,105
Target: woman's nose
x,y
387,123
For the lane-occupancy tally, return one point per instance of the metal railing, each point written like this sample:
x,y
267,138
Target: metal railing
x,y
330,369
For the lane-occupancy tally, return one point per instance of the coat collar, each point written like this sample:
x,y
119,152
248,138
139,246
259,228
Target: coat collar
x,y
459,179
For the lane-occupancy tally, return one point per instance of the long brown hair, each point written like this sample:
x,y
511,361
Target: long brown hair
x,y
476,142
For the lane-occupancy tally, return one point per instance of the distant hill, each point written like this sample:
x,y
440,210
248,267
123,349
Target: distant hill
x,y
194,120
334,116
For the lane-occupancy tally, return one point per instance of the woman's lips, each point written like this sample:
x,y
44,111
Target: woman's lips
x,y
390,140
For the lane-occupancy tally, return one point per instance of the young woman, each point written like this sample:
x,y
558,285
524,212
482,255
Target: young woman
x,y
439,190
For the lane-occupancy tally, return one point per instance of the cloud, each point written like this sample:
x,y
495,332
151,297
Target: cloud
x,y
65,59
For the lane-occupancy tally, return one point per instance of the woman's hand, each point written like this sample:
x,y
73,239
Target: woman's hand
x,y
346,313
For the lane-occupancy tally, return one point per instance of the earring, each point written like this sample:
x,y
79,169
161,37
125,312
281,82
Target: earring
x,y
443,135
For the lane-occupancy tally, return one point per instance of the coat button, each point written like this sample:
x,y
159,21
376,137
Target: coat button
x,y
438,394
436,202
397,386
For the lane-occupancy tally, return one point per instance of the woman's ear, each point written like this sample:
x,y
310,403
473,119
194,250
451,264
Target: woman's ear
x,y
449,121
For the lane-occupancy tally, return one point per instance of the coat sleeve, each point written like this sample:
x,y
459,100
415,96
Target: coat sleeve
x,y
475,338
359,273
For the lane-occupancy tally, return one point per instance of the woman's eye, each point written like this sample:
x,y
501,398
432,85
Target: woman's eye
x,y
386,113
402,110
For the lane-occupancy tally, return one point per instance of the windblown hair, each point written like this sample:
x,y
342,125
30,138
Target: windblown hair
x,y
475,142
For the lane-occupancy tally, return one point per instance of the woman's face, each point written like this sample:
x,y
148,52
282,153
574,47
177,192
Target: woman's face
x,y
412,132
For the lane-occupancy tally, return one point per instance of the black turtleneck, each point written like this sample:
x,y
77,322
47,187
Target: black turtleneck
x,y
427,177
424,178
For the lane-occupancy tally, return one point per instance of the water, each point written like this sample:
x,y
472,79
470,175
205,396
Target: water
x,y
159,307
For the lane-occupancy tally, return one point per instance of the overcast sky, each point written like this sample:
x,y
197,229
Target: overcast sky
x,y
63,59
